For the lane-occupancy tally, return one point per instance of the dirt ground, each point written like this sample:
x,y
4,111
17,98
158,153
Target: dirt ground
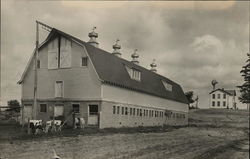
x,y
211,134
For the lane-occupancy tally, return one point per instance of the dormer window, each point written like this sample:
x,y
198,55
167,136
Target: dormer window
x,y
134,73
167,86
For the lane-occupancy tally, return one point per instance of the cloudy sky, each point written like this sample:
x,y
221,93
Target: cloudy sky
x,y
192,42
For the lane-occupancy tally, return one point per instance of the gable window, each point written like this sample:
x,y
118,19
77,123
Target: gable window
x,y
43,108
213,96
134,73
167,86
224,96
59,89
218,96
38,64
84,61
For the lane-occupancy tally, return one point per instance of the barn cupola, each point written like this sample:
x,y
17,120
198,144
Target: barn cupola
x,y
153,66
117,48
93,35
135,57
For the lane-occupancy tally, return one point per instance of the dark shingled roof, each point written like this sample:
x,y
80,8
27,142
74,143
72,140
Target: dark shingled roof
x,y
111,70
229,92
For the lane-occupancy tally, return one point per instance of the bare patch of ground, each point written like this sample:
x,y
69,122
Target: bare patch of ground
x,y
205,138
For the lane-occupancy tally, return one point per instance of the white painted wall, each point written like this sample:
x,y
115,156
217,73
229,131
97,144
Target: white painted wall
x,y
79,82
121,95
229,100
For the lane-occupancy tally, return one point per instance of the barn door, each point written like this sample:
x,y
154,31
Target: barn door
x,y
93,115
27,112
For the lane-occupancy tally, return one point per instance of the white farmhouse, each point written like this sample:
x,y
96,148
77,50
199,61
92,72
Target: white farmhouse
x,y
221,98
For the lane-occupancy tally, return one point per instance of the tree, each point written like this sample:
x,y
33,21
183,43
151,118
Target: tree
x,y
245,87
14,105
189,95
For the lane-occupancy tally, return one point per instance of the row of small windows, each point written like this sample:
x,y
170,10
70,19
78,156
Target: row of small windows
x,y
218,96
218,103
143,112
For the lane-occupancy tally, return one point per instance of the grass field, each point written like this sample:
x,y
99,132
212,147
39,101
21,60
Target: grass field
x,y
221,134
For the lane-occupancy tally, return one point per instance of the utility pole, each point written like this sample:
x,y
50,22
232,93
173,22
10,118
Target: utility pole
x,y
35,72
47,28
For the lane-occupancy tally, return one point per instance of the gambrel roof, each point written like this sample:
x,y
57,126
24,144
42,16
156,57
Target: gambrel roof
x,y
111,70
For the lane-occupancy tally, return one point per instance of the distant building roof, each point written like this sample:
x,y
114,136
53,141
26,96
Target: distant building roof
x,y
111,70
227,91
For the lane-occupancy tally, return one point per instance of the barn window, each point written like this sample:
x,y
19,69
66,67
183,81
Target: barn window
x,y
118,109
167,85
93,109
59,89
84,61
113,109
122,110
43,108
126,110
76,108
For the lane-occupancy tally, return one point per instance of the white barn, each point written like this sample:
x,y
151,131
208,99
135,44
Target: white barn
x,y
101,87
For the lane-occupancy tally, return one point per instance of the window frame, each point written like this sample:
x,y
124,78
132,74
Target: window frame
x,y
41,108
224,96
87,61
62,89
168,86
213,96
213,103
218,103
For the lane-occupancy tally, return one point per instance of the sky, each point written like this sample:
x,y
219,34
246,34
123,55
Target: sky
x,y
192,42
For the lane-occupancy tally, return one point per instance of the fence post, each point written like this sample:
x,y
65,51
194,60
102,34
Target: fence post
x,y
29,126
